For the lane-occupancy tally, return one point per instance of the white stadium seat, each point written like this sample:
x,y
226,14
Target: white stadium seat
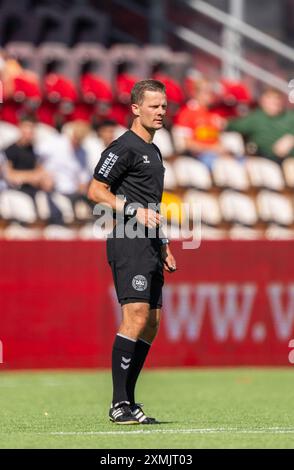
x,y
65,206
275,232
191,173
211,233
275,208
264,173
16,205
170,180
208,204
238,208
8,134
57,232
229,173
239,232
14,231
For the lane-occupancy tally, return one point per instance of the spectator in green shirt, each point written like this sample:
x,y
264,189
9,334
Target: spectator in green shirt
x,y
268,131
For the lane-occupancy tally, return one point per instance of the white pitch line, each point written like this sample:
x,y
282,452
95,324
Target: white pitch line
x,y
272,430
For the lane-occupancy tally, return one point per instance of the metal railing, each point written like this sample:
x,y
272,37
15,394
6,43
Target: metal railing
x,y
231,23
231,57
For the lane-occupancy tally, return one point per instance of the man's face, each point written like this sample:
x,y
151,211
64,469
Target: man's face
x,y
106,134
204,95
27,132
272,103
152,110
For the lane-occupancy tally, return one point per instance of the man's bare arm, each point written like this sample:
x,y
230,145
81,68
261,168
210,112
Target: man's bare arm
x,y
99,192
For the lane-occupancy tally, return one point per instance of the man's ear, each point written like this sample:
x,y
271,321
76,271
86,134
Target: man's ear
x,y
135,109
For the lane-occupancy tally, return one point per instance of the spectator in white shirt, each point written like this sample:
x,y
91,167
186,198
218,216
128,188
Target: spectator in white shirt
x,y
66,160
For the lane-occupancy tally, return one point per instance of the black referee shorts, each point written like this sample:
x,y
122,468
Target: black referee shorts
x,y
137,270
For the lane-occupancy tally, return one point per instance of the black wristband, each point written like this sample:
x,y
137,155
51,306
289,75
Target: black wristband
x,y
130,210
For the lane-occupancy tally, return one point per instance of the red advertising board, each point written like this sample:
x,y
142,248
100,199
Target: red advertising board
x,y
230,303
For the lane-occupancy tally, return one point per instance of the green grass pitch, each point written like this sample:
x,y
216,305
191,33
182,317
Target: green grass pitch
x,y
198,408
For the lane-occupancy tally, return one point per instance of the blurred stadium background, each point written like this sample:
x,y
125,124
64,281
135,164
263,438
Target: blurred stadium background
x,y
66,69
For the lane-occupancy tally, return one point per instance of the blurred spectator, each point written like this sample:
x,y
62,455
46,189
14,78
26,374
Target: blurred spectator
x,y
66,160
2,172
21,89
198,128
269,130
95,143
174,93
233,99
60,96
23,169
95,101
125,80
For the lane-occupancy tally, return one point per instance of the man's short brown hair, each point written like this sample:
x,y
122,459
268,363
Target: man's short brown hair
x,y
138,90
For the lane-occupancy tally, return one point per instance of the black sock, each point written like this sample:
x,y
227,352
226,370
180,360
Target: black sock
x,y
139,356
122,352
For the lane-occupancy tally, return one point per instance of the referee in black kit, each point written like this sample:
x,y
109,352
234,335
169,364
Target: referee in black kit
x,y
129,178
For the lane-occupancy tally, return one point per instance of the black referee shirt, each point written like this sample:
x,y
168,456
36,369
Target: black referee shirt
x,y
133,169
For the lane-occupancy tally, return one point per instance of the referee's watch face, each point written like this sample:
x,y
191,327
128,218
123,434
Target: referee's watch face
x,y
152,110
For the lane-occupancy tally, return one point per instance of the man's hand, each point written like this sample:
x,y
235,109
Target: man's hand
x,y
169,262
283,146
148,217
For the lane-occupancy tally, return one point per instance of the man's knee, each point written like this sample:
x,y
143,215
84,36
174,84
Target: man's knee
x,y
136,315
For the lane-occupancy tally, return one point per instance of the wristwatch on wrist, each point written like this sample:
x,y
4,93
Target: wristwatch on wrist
x,y
130,210
164,241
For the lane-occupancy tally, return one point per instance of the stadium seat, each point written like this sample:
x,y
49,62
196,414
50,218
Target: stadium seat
x,y
57,232
229,173
48,26
179,133
239,232
209,206
233,143
276,208
86,232
84,24
24,53
44,132
191,173
15,231
16,205
288,170
180,63
91,58
13,25
264,173
8,134
176,232
162,139
170,68
55,58
170,179
275,232
238,208
211,233
131,57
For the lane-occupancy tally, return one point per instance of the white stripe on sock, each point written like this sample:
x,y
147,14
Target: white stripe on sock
x,y
126,337
144,341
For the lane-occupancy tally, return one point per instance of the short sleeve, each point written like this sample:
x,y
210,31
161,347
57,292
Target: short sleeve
x,y
113,163
10,154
